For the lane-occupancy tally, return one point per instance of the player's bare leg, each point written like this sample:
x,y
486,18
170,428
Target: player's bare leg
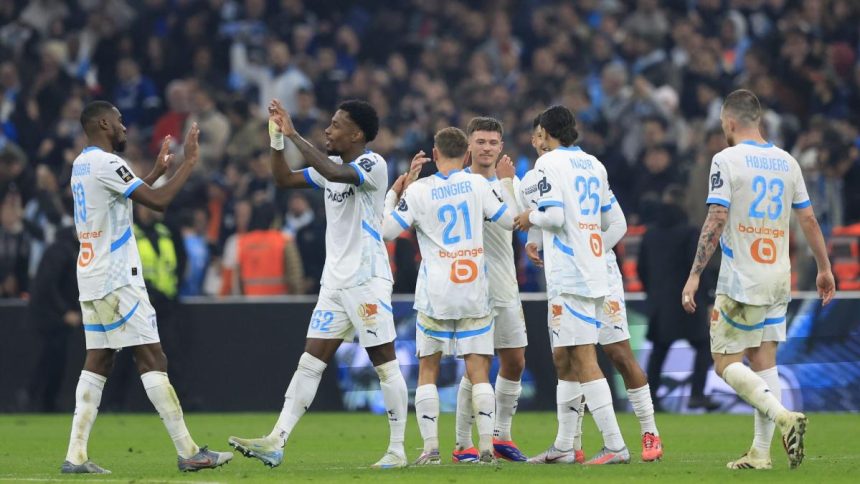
x,y
396,397
596,391
300,393
512,362
152,365
567,447
756,391
639,394
88,394
427,408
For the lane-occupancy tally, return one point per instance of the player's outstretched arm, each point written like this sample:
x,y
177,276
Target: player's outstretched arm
x,y
159,198
718,215
284,176
331,171
394,223
824,281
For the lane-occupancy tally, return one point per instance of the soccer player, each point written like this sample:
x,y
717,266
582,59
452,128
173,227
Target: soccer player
x,y
454,315
752,186
356,281
115,307
613,335
573,196
509,330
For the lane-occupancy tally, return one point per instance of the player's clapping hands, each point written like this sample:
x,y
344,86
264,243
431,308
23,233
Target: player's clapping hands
x,y
164,158
505,168
522,222
281,117
192,146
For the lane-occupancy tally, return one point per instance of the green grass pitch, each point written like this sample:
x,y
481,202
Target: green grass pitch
x,y
339,447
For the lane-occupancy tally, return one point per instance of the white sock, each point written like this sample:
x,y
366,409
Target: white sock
x,y
640,399
568,398
88,395
163,397
427,412
577,436
300,394
753,389
763,425
484,406
599,400
396,398
507,398
465,415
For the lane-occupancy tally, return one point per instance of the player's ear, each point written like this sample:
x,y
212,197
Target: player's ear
x,y
104,124
435,155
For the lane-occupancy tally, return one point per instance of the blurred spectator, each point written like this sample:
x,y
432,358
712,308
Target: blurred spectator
x,y
248,133
14,247
196,253
665,257
159,258
44,214
214,129
278,80
172,122
135,95
307,227
54,313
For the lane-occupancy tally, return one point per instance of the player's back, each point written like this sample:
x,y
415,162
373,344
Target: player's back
x,y
574,261
758,183
448,212
101,185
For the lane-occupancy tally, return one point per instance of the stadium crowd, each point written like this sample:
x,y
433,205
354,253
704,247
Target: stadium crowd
x,y
644,77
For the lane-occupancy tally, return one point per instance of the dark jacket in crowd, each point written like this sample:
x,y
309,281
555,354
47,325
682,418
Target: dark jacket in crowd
x,y
54,289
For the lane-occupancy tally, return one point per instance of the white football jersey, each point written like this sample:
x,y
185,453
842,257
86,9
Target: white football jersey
x,y
499,250
448,213
108,259
758,183
574,262
354,248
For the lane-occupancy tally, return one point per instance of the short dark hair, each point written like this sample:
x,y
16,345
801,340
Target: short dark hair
x,y
364,115
559,122
743,105
93,111
536,122
451,142
484,123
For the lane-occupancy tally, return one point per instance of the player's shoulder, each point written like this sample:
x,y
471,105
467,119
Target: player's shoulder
x,y
369,159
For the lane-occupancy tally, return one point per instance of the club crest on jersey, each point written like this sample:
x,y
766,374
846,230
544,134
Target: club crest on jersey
x,y
366,164
544,186
556,314
124,174
368,312
716,181
402,205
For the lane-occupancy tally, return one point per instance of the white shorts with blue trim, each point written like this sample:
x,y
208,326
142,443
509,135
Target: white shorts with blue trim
x,y
613,313
364,310
573,320
119,320
453,337
509,327
736,326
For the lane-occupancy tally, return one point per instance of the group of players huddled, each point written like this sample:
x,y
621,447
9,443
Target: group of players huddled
x,y
467,298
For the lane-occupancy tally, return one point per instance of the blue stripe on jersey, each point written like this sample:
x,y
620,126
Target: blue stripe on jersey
x,y
499,213
726,249
310,180
760,145
583,317
771,321
90,148
608,206
445,177
564,248
358,172
453,334
549,203
718,201
569,148
386,306
400,220
116,244
805,204
753,327
103,328
373,233
132,188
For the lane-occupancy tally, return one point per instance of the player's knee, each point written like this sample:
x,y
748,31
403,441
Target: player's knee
x,y
512,367
561,360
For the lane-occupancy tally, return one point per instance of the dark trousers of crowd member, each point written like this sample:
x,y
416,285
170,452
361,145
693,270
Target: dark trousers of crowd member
x,y
47,378
701,365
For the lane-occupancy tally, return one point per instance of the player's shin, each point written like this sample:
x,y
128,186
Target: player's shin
x,y
88,396
507,397
163,397
599,399
465,415
484,406
753,389
300,394
396,398
763,425
580,416
568,399
427,412
640,400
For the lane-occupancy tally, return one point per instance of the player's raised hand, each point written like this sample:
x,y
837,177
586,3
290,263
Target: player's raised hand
x,y
505,168
164,158
688,295
826,287
282,117
522,222
533,254
418,162
192,146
